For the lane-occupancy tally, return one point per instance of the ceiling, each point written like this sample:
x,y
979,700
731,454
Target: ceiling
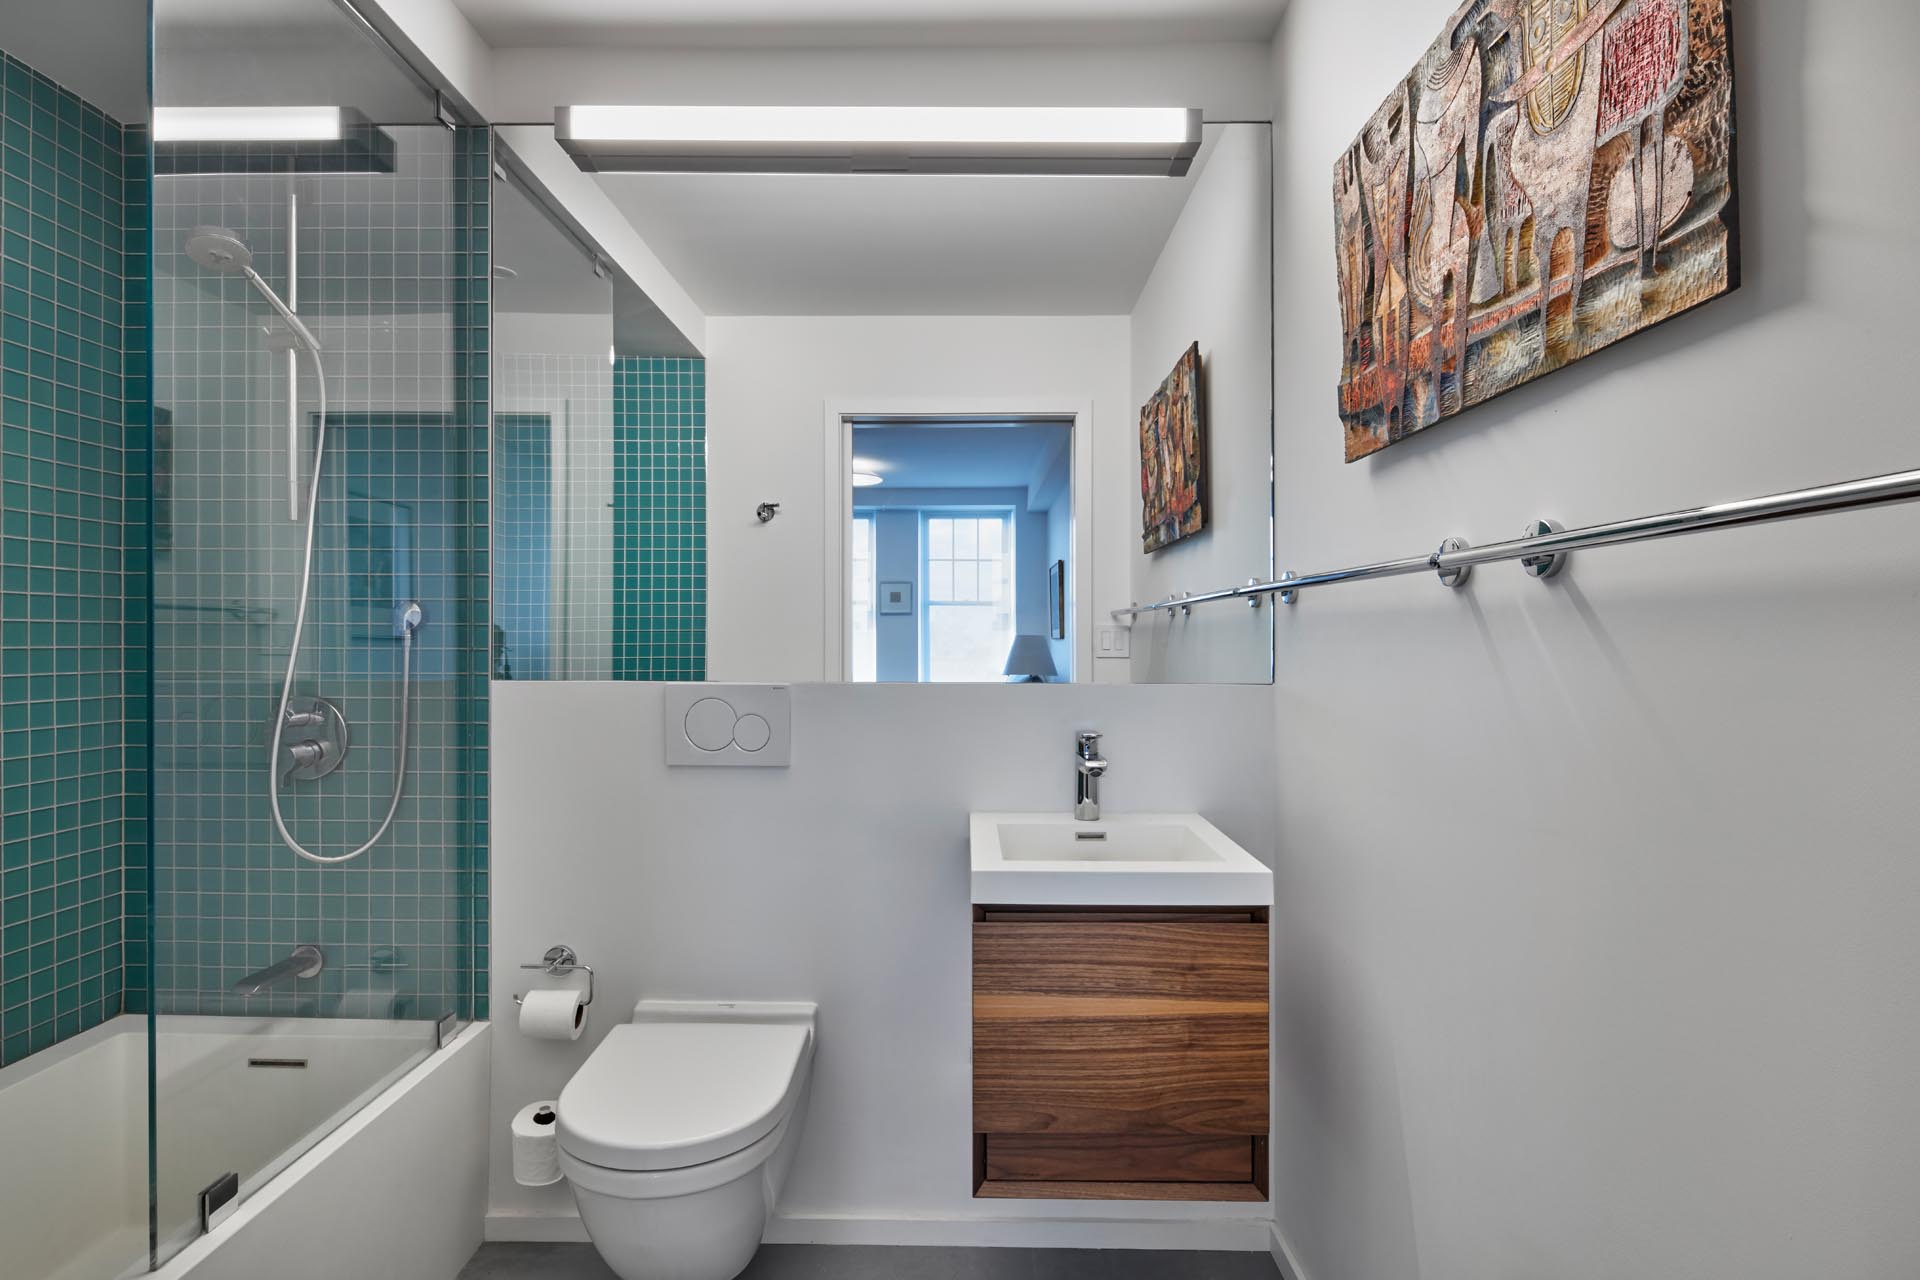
x,y
549,23
96,48
552,274
984,456
211,53
841,244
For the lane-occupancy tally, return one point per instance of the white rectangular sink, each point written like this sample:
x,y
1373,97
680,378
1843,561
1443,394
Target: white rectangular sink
x,y
1127,860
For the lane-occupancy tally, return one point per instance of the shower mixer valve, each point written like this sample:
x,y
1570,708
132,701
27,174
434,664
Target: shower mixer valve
x,y
314,740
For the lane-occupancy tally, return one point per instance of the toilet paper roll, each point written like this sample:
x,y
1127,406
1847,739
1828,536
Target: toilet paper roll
x,y
552,1014
536,1149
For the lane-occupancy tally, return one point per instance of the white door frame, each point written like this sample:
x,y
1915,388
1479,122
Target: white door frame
x,y
837,503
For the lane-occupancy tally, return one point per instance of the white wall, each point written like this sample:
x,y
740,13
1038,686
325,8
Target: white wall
x,y
896,558
1030,574
1212,285
842,880
553,335
1060,547
1596,953
769,382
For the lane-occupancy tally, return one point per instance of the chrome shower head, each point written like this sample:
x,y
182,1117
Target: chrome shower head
x,y
218,249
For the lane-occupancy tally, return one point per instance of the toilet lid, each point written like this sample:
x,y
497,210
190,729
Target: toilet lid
x,y
665,1095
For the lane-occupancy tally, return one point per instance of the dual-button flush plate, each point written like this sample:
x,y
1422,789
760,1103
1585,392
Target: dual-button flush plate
x,y
729,725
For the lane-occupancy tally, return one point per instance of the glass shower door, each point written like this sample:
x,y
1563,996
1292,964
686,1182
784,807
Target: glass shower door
x,y
320,284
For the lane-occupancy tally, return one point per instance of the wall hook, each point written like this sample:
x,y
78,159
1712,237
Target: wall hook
x,y
766,511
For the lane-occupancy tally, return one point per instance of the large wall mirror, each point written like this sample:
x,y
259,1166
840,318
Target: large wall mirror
x,y
929,428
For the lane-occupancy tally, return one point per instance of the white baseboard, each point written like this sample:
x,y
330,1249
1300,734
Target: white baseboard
x,y
1243,1235
1239,1235
545,1228
1284,1257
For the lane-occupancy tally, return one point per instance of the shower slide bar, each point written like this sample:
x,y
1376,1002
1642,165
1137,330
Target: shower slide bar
x,y
1543,551
233,609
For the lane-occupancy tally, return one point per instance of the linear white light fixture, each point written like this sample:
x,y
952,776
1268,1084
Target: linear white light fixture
x,y
1151,141
249,124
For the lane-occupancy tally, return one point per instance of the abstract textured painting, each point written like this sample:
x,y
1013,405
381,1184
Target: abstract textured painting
x,y
1173,457
1554,176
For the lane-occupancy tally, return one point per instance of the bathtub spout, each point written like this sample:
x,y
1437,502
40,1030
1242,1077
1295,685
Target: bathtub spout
x,y
304,961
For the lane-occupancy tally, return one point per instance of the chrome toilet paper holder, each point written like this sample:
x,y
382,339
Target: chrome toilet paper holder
x,y
559,962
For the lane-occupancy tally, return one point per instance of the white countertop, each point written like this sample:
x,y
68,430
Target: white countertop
x,y
1122,860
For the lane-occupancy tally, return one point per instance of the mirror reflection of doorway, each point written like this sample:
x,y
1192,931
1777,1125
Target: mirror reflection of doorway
x,y
957,529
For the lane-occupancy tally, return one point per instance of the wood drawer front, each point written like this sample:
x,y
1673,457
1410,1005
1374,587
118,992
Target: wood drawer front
x,y
1169,961
1120,1028
1084,1158
1126,1076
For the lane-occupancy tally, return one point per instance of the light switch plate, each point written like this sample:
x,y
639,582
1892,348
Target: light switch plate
x,y
1113,642
737,726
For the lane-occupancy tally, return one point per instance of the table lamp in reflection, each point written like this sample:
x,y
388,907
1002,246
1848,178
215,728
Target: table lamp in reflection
x,y
1030,661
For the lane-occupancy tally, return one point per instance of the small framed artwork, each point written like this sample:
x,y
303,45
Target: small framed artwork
x,y
1173,457
896,597
1057,599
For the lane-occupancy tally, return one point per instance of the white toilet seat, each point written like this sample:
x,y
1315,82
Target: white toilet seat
x,y
663,1184
658,1096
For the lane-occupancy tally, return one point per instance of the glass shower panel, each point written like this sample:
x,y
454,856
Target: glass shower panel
x,y
554,446
320,628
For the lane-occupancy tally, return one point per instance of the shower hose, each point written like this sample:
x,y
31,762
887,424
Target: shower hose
x,y
408,625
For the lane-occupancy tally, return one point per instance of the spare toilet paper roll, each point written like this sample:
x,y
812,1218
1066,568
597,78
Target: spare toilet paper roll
x,y
552,1014
536,1150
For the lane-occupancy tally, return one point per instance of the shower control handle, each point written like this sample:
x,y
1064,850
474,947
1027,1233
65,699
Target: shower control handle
x,y
315,755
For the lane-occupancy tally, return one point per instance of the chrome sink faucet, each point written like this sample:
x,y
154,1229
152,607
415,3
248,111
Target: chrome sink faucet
x,y
1087,768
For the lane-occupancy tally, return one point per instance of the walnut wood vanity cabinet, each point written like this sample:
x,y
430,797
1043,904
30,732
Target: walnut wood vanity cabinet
x,y
1120,1053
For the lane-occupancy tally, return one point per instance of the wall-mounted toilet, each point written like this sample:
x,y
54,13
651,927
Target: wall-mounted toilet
x,y
678,1130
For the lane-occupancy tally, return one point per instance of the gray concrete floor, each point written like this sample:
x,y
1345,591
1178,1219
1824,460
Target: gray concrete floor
x,y
846,1262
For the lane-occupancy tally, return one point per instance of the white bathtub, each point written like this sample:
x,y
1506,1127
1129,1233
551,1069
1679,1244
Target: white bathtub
x,y
230,1098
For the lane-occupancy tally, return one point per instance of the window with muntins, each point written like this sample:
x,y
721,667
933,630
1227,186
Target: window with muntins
x,y
967,596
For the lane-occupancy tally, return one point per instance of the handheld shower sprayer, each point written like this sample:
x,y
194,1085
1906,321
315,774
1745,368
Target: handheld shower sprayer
x,y
220,250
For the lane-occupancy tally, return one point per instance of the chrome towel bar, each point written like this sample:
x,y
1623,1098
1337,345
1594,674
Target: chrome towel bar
x,y
1545,548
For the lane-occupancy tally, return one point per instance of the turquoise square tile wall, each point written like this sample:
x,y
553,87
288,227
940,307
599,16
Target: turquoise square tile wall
x,y
137,579
72,421
660,518
393,276
472,269
107,523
